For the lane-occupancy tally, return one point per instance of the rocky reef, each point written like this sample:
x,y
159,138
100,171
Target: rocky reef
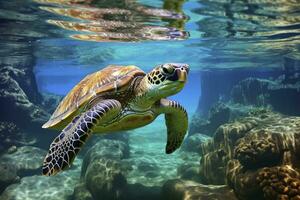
x,y
216,85
256,156
282,95
220,113
244,90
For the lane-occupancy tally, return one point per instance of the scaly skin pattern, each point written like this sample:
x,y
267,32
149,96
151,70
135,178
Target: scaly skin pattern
x,y
176,121
67,144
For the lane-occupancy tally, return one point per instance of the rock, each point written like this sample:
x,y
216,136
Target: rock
x,y
179,189
105,179
199,124
41,187
102,175
216,153
81,193
251,91
220,113
27,160
216,85
189,172
256,156
280,182
58,187
8,175
50,102
281,96
193,142
104,148
10,135
14,99
19,94
243,181
12,149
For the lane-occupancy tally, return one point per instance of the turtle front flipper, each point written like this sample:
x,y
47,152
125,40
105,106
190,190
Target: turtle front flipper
x,y
67,144
176,122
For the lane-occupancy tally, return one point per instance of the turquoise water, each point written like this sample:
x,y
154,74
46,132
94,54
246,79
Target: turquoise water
x,y
48,46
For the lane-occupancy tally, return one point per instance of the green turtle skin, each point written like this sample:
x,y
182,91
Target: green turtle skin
x,y
135,103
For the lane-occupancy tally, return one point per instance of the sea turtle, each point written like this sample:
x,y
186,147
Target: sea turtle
x,y
113,99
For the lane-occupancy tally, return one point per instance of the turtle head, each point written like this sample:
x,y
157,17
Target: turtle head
x,y
167,79
163,81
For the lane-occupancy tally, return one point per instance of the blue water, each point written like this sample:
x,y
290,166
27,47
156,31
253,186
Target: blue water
x,y
56,43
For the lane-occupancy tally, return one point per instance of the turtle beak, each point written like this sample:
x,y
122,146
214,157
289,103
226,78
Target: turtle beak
x,y
182,73
182,76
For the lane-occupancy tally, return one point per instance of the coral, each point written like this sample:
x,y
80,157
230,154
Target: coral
x,y
259,149
256,156
282,182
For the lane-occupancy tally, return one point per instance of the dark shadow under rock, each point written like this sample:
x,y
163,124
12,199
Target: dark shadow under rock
x,y
138,191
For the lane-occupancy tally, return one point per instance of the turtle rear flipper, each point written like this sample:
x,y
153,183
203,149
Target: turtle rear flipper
x,y
68,143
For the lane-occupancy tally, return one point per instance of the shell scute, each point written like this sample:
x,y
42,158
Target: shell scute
x,y
111,79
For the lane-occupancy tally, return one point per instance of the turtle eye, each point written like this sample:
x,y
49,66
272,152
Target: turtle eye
x,y
168,69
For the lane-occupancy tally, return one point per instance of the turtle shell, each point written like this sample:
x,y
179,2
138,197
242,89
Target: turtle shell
x,y
111,79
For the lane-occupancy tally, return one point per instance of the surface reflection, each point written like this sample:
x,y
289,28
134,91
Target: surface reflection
x,y
119,20
246,30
